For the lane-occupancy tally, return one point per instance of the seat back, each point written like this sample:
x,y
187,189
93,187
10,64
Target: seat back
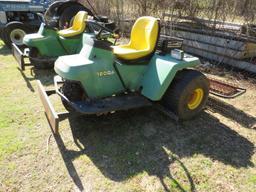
x,y
78,26
144,34
79,23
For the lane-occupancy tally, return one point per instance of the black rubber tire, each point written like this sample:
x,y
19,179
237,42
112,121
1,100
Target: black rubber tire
x,y
12,26
4,36
178,94
67,15
73,91
39,64
1,33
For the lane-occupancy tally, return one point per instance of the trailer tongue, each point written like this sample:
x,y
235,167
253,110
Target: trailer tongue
x,y
217,88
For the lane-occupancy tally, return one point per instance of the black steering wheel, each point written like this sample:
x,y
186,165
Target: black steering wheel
x,y
103,32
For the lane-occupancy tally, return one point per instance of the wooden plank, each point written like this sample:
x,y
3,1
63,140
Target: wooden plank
x,y
222,59
212,40
220,50
216,33
18,55
51,115
204,21
251,49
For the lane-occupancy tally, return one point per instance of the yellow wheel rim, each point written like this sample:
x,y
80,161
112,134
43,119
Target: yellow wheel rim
x,y
195,98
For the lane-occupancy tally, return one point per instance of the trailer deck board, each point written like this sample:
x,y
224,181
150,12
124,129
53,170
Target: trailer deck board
x,y
243,65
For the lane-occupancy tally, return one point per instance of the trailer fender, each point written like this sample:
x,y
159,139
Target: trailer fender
x,y
161,72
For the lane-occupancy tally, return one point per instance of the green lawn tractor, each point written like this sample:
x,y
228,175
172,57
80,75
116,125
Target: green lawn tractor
x,y
104,78
45,46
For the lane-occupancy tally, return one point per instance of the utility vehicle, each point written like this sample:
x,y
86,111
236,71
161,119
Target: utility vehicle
x,y
103,78
147,71
45,46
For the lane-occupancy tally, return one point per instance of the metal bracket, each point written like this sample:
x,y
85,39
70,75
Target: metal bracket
x,y
85,108
20,57
105,105
52,116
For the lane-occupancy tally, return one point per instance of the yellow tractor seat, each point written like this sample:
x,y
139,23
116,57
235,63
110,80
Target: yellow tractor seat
x,y
143,40
78,26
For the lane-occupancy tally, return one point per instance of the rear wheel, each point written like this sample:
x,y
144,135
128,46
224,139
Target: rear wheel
x,y
34,57
15,32
1,33
73,91
187,94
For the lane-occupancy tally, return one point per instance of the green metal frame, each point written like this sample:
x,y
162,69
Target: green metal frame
x,y
161,71
110,104
95,68
50,44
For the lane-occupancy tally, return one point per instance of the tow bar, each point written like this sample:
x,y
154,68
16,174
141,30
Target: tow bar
x,y
20,56
217,88
103,106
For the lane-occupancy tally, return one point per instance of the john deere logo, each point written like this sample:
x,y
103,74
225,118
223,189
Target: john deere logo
x,y
105,73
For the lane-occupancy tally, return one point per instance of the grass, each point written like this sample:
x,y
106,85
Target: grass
x,y
138,150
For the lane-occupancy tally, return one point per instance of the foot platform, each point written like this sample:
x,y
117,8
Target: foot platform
x,y
87,107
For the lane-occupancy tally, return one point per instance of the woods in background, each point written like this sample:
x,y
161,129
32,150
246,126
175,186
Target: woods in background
x,y
242,11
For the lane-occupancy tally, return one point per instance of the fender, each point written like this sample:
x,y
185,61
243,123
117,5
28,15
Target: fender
x,y
161,72
45,41
93,67
49,44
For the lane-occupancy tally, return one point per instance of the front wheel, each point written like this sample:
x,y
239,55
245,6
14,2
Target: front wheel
x,y
34,58
1,33
187,94
73,91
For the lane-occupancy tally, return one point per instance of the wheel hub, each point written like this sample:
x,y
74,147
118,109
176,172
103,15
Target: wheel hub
x,y
17,36
195,98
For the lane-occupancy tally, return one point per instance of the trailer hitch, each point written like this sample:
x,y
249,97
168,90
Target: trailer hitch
x,y
103,106
20,56
217,88
52,116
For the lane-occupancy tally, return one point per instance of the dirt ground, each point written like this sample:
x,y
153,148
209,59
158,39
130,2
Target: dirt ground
x,y
138,150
